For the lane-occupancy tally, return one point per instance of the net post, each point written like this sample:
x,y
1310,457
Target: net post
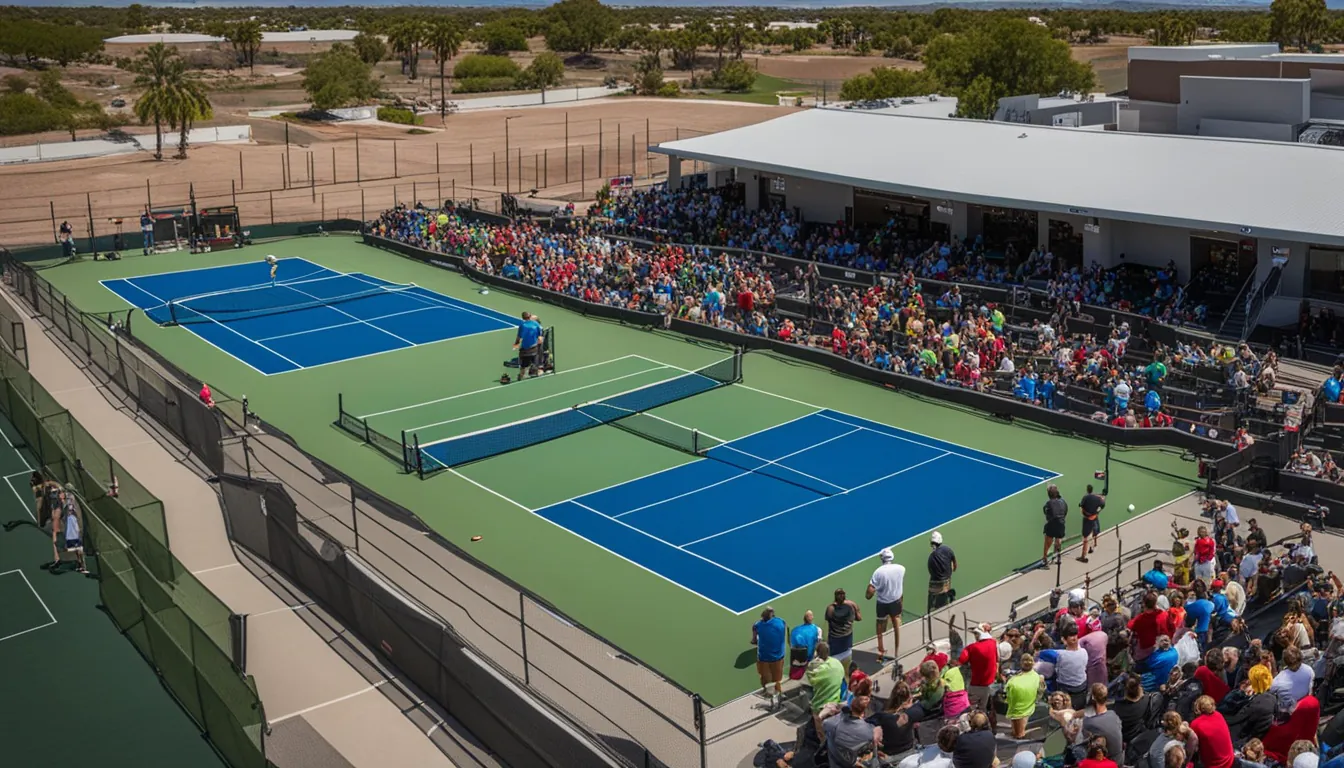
x,y
405,462
695,441
419,459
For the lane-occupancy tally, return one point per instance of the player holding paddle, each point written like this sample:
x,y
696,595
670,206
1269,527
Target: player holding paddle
x,y
275,266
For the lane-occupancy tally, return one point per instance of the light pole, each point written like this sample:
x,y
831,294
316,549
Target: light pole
x,y
506,152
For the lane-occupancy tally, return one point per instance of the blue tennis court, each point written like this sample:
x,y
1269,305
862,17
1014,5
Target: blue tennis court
x,y
311,316
723,526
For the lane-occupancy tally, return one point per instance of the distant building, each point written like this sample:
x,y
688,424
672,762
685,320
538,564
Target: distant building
x,y
1236,91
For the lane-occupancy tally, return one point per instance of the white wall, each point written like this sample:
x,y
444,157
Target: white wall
x,y
1327,106
1155,116
1294,272
1245,99
1150,245
1280,311
1244,129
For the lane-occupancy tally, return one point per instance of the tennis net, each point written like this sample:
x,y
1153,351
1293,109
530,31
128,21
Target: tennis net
x,y
267,299
618,410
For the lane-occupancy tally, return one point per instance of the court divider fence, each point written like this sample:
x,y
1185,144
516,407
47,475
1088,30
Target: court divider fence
x,y
534,685
184,631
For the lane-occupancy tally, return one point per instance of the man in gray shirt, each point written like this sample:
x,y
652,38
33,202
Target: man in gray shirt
x,y
848,736
1056,509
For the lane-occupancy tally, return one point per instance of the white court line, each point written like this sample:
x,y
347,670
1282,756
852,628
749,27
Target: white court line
x,y
826,408
917,536
352,317
771,590
216,568
216,266
221,325
746,473
934,447
285,609
40,601
768,462
25,502
580,536
529,402
819,498
435,302
496,387
336,700
343,325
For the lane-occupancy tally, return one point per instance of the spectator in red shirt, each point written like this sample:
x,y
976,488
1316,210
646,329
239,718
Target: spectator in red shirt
x,y
1147,626
1205,560
1215,741
1210,675
1096,755
206,397
983,656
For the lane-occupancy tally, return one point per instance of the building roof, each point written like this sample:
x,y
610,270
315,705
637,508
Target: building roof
x,y
170,38
1255,188
1201,52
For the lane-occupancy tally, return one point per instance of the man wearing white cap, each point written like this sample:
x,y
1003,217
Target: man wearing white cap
x,y
942,564
888,584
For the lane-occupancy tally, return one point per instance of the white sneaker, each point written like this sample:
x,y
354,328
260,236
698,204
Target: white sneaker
x,y
775,701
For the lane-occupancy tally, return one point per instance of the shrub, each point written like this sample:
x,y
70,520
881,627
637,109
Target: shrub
x,y
484,84
477,66
670,89
25,113
736,76
399,115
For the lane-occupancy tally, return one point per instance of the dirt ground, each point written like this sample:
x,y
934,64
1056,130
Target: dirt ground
x,y
326,172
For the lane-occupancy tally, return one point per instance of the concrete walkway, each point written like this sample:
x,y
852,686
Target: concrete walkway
x,y
323,712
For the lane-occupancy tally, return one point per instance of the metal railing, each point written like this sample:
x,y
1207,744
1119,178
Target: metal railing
x,y
1245,286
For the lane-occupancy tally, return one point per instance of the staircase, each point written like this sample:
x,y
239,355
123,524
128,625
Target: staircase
x,y
1244,314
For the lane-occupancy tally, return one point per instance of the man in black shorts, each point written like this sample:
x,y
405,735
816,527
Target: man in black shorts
x,y
529,346
1056,509
1091,506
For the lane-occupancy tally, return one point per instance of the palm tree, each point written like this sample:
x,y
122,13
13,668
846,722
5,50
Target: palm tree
x,y
245,37
187,103
153,71
444,38
406,39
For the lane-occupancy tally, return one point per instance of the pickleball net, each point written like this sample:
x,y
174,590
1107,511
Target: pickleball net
x,y
622,410
267,299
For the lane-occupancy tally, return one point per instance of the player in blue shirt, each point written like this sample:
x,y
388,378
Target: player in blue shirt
x,y
528,344
769,636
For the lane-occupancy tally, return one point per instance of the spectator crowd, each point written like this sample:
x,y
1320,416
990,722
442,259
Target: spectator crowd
x,y
1166,673
898,324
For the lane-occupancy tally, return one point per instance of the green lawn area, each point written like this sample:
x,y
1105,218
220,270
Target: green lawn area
x,y
762,92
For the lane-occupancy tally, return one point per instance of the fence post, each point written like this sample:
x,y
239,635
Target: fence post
x,y
54,236
149,198
566,146
618,147
233,192
284,169
394,196
271,194
583,172
454,190
522,629
438,168
415,193
471,165
312,172
546,167
633,170
93,238
698,712
396,174
439,189
358,176
362,216
599,148
324,206
494,169
333,165
536,170
354,516
240,171
520,171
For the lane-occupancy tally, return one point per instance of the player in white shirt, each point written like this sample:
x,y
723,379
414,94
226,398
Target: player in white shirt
x,y
888,585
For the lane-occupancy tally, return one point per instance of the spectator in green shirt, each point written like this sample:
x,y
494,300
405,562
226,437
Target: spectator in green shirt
x,y
1023,691
1156,372
826,676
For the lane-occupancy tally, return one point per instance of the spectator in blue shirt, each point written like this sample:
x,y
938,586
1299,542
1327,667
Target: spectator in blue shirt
x,y
803,641
1221,608
1199,612
1156,578
1157,667
768,635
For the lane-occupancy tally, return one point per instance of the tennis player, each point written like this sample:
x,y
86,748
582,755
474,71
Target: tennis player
x,y
528,344
275,266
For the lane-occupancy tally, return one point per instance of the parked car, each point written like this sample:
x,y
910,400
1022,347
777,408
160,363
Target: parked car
x,y
118,103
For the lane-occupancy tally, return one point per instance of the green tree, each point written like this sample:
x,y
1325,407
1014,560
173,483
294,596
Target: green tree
x,y
50,90
578,26
187,103
1014,55
648,75
889,83
153,72
406,37
369,47
16,84
545,71
136,18
1298,22
720,37
980,99
25,113
736,76
339,78
500,36
246,37
444,38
